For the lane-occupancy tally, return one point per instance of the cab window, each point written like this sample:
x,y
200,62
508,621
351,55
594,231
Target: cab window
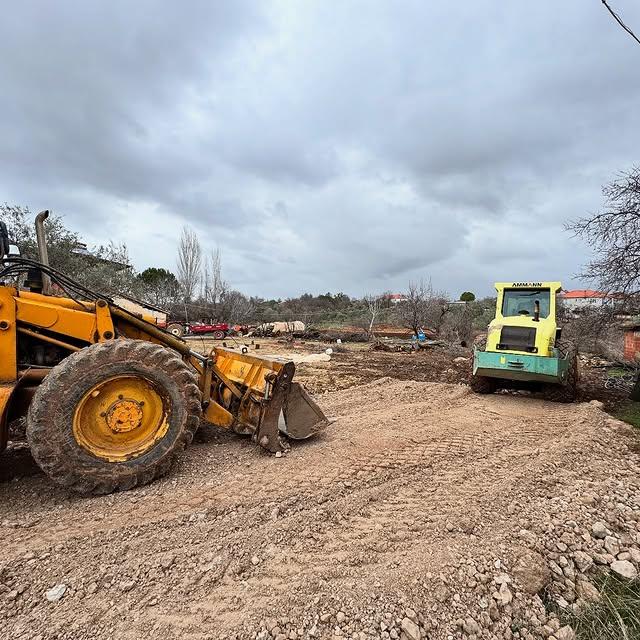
x,y
521,302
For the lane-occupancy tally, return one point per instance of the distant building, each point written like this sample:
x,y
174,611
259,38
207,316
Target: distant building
x,y
81,249
582,299
396,298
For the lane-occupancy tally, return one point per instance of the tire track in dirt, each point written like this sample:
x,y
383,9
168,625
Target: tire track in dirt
x,y
411,475
374,454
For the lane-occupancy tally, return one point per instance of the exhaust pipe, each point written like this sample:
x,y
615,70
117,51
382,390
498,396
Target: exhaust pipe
x,y
43,254
536,311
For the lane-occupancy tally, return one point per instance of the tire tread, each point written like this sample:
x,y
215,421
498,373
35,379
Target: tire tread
x,y
47,438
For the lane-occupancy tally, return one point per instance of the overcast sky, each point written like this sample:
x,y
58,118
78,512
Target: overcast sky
x,y
324,146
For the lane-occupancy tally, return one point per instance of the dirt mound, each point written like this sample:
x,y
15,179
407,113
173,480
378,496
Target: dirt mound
x,y
423,510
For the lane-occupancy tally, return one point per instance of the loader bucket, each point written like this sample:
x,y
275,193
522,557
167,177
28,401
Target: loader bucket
x,y
301,417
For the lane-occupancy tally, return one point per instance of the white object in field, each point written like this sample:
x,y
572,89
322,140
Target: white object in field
x,y
277,328
338,341
329,351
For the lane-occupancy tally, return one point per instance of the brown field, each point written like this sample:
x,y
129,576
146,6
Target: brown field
x,y
401,520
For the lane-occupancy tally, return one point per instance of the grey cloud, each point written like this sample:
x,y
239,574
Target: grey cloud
x,y
99,93
347,146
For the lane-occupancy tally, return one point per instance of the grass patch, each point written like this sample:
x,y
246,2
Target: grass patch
x,y
628,412
615,617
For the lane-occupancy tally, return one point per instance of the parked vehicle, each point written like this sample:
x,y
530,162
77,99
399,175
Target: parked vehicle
x,y
523,348
219,330
109,399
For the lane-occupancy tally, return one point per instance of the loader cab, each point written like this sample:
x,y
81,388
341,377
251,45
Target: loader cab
x,y
13,251
6,248
4,240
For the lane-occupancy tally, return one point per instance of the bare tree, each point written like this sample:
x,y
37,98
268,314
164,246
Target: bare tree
x,y
412,311
205,282
218,285
614,236
457,325
235,307
418,310
437,309
423,307
214,287
373,306
594,330
189,263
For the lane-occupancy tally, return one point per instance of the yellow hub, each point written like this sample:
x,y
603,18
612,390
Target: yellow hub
x,y
121,418
124,415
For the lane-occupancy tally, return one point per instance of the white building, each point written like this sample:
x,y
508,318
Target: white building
x,y
581,299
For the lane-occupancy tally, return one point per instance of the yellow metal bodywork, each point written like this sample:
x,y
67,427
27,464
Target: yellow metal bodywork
x,y
121,418
6,390
218,415
545,327
244,379
90,324
246,369
8,337
125,416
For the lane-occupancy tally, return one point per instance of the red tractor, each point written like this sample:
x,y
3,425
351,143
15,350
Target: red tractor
x,y
220,330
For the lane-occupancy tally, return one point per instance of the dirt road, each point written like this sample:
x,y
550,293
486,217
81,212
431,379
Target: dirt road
x,y
396,523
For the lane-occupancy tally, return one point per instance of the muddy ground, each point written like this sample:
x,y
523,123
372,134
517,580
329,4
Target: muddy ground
x,y
358,363
424,511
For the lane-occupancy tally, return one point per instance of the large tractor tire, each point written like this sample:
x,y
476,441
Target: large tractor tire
x,y
481,384
113,416
565,392
176,329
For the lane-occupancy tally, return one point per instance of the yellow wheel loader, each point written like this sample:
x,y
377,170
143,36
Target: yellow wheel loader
x,y
524,348
109,397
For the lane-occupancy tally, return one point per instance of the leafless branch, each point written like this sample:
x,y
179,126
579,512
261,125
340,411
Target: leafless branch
x,y
423,307
374,304
189,263
614,236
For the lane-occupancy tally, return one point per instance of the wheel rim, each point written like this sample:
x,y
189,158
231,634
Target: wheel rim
x,y
121,418
176,332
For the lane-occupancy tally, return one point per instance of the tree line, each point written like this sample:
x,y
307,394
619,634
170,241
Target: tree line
x,y
198,290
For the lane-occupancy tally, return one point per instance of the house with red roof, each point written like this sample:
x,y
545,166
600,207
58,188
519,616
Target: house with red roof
x,y
582,299
396,298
